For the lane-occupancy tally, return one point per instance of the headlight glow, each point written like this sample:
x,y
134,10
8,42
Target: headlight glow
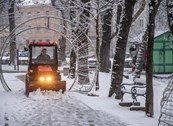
x,y
48,78
41,78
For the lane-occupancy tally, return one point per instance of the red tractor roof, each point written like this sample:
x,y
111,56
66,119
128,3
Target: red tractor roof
x,y
43,43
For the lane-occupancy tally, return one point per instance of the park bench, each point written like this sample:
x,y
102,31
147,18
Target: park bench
x,y
135,89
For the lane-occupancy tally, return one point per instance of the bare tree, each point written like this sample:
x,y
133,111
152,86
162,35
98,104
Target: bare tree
x,y
118,61
72,69
119,12
62,40
149,67
136,15
3,13
12,27
64,14
170,14
106,39
97,43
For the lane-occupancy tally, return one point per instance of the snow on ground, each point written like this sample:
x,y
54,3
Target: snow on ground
x,y
50,109
71,108
111,105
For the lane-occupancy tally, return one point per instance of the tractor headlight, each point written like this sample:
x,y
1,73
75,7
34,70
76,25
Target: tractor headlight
x,y
42,78
48,78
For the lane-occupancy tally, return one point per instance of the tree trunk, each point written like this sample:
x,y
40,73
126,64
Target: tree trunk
x,y
170,14
136,15
62,49
12,27
106,40
104,55
149,67
62,40
119,12
72,69
97,46
64,31
118,62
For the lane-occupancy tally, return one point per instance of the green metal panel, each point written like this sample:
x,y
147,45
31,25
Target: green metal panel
x,y
158,57
158,68
158,45
169,69
169,45
163,53
168,56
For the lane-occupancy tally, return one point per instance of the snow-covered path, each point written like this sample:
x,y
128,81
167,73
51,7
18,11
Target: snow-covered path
x,y
50,109
47,109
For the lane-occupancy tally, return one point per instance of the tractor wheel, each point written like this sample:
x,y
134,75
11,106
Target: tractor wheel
x,y
26,87
27,93
63,91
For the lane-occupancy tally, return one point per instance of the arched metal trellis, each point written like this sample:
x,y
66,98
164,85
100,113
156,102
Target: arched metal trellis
x,y
166,116
78,48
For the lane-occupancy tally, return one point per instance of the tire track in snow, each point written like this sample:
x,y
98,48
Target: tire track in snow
x,y
6,120
56,109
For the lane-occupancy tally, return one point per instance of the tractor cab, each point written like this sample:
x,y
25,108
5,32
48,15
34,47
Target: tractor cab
x,y
43,70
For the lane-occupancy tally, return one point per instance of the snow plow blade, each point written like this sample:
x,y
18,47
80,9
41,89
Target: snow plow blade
x,y
55,86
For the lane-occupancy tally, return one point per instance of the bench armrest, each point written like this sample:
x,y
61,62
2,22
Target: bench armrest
x,y
135,89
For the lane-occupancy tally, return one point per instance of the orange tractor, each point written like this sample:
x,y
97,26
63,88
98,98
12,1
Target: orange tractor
x,y
43,70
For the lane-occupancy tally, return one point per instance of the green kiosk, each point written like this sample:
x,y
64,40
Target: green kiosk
x,y
163,53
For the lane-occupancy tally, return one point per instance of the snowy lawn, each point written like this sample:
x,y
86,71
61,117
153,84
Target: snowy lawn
x,y
111,105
